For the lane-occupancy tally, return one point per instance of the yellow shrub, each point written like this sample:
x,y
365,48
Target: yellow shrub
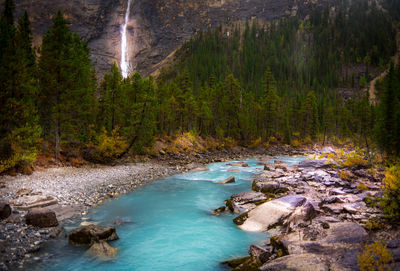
x,y
362,187
375,257
391,192
353,159
110,146
256,143
344,175
374,224
272,140
228,142
295,143
308,140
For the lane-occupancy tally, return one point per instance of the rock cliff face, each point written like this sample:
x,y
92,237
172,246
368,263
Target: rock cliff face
x,y
156,28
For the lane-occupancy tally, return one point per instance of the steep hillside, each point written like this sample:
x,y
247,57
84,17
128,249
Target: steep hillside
x,y
156,27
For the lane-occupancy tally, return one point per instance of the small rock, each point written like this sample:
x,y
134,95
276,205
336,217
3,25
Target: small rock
x,y
229,180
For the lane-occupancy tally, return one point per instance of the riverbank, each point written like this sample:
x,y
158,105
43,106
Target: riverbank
x,y
321,214
70,192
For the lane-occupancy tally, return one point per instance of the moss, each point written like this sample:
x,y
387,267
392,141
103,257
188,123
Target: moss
x,y
277,244
229,204
236,262
241,219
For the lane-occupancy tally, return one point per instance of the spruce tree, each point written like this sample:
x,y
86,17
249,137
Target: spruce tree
x,y
67,85
19,131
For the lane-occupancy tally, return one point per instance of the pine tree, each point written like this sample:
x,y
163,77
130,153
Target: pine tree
x,y
19,131
67,84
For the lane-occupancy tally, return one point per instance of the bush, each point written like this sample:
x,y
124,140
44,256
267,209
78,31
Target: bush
x,y
256,143
108,149
295,143
353,159
375,257
391,192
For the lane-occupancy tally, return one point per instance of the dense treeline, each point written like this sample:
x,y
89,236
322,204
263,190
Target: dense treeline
x,y
259,83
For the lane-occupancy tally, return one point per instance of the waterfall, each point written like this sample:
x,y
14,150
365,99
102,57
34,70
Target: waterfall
x,y
124,44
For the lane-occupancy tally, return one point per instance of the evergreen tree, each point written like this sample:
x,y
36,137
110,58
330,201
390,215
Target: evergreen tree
x,y
67,85
19,130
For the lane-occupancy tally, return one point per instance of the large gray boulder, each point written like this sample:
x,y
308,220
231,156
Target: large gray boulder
x,y
42,218
314,163
298,262
88,235
270,214
245,201
272,187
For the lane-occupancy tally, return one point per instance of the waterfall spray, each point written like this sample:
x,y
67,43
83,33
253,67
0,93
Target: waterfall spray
x,y
124,44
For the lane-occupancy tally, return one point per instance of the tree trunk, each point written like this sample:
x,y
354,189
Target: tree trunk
x,y
57,140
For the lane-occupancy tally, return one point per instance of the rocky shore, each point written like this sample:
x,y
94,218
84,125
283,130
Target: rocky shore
x,y
69,192
319,213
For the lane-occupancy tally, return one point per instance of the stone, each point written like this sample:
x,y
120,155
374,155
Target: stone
x,y
255,251
305,212
34,201
233,170
239,164
199,169
314,163
345,232
5,210
272,187
219,210
298,262
270,214
229,180
102,250
41,217
88,223
88,235
248,197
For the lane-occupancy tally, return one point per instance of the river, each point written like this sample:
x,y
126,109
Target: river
x,y
170,225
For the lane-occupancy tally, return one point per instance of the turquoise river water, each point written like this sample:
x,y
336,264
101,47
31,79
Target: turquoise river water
x,y
172,227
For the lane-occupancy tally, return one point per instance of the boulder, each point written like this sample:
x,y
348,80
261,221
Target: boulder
x,y
306,212
5,210
314,163
345,232
239,164
229,180
41,217
271,187
88,235
199,169
298,262
102,250
248,197
269,214
219,210
255,251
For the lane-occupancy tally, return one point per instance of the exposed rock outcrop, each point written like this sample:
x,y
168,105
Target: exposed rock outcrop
x,y
156,28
